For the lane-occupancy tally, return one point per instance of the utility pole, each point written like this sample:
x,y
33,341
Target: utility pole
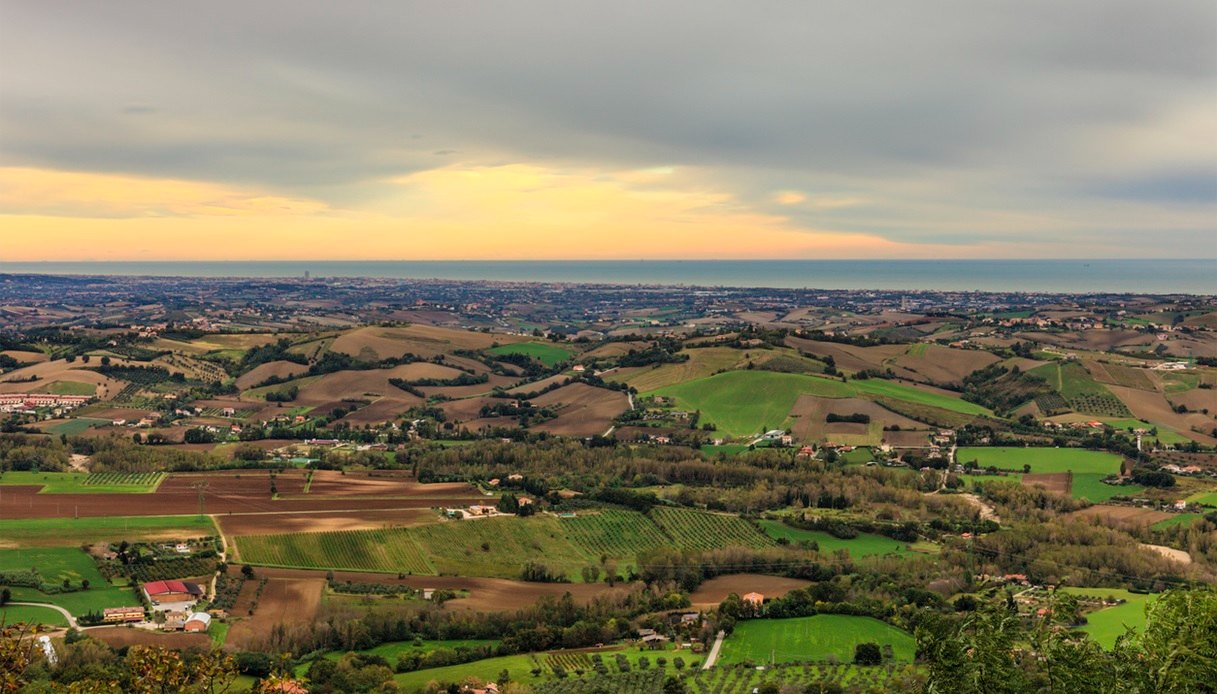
x,y
200,488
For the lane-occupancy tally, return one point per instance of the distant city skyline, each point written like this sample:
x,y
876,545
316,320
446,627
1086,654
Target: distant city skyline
x,y
558,130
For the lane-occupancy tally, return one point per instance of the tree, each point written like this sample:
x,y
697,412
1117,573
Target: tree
x,y
247,571
5,596
993,650
867,654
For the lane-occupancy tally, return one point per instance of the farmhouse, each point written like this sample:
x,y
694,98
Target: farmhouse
x,y
165,592
114,615
199,621
175,620
654,640
754,599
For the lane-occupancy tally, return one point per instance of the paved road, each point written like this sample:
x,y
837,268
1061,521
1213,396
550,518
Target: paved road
x,y
713,656
65,613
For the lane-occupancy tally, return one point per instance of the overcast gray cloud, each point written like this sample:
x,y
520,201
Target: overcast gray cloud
x,y
942,121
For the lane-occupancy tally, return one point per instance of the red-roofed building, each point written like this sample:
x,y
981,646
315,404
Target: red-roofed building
x,y
172,591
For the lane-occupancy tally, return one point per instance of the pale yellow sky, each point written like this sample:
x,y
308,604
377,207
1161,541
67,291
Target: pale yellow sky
x,y
515,211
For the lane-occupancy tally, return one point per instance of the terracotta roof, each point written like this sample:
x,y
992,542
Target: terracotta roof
x,y
163,587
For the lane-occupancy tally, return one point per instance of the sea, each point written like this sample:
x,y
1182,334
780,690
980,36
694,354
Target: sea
x,y
1156,276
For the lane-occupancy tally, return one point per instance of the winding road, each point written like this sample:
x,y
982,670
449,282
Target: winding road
x,y
65,613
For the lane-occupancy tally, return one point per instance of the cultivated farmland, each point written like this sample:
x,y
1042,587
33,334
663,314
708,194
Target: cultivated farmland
x,y
547,354
691,529
498,546
86,483
864,545
73,532
1042,459
354,550
744,402
617,534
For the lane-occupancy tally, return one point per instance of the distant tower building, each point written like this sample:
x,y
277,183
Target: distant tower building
x,y
306,275
904,303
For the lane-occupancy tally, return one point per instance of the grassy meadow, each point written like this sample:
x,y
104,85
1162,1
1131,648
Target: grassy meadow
x,y
73,532
57,564
813,638
741,403
544,352
864,545
1076,460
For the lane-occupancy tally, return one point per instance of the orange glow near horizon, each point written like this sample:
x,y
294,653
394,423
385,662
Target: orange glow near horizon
x,y
509,212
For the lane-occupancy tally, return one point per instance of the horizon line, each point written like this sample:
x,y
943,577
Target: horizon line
x,y
594,260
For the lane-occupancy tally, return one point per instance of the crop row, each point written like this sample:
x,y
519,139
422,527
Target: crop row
x,y
568,663
642,682
354,550
698,530
135,479
736,680
614,533
499,546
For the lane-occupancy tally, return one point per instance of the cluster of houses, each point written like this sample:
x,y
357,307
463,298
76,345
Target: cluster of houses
x,y
28,403
173,600
1183,469
143,423
176,600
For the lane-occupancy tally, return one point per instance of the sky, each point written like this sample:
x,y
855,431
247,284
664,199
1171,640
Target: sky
x,y
561,130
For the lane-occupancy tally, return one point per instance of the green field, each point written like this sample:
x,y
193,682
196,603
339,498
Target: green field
x,y
864,545
691,529
57,564
1080,390
1177,519
1165,435
352,550
611,533
1042,459
85,483
74,427
805,678
727,449
858,456
498,546
69,388
1204,498
900,391
1089,485
32,615
1106,624
1070,379
73,532
746,402
396,649
518,667
547,354
260,393
991,479
812,639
